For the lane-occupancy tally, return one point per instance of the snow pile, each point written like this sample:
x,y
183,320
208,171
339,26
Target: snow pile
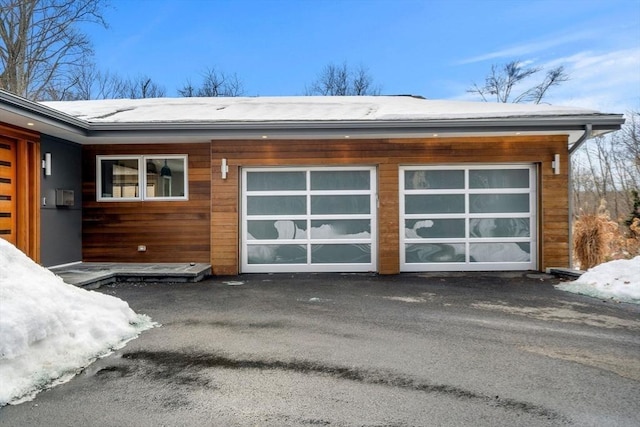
x,y
618,280
49,330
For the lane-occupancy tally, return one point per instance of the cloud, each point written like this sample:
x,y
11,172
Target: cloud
x,y
530,48
605,81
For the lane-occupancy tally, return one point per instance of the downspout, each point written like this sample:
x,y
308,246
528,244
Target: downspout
x,y
585,136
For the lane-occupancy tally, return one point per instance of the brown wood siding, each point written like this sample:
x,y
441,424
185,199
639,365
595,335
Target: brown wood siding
x,y
172,231
387,156
25,188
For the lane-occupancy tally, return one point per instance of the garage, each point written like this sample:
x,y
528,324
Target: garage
x,y
468,217
312,219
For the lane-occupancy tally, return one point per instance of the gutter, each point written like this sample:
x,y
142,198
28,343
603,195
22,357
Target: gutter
x,y
588,134
354,128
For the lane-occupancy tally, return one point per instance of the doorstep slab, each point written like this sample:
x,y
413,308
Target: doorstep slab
x,y
96,274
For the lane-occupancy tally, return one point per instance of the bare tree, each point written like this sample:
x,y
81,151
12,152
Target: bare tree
x,y
339,80
109,85
608,168
214,83
40,42
143,87
502,81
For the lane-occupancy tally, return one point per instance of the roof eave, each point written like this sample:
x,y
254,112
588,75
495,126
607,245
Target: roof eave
x,y
600,124
34,111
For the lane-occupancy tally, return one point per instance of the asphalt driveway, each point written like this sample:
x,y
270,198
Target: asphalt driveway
x,y
359,350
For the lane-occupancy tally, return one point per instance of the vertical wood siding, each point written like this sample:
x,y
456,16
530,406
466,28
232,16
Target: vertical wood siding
x,y
25,190
173,231
387,155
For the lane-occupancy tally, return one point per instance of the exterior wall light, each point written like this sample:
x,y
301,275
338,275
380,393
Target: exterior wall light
x,y
555,164
224,169
46,164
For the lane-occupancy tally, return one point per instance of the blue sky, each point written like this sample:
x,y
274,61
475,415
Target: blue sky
x,y
433,48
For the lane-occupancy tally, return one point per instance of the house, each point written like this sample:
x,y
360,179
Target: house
x,y
386,184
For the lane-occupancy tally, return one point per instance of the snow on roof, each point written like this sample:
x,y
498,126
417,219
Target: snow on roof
x,y
299,108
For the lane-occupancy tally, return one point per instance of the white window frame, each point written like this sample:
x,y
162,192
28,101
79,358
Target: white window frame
x,y
532,190
142,177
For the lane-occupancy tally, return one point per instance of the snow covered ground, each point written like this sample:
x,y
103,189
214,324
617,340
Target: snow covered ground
x,y
50,330
618,280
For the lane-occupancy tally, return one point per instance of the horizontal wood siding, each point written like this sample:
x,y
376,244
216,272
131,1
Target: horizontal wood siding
x,y
173,231
387,156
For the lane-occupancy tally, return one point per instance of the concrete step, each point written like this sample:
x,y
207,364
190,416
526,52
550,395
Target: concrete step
x,y
95,274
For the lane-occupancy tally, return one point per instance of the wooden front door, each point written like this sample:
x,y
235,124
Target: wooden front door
x,y
8,190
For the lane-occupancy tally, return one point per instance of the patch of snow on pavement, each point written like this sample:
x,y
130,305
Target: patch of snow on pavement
x,y
50,330
618,280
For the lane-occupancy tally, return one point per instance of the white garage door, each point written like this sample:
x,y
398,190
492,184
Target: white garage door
x,y
308,220
468,217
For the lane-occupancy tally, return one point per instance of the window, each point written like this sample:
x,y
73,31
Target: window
x,y
131,178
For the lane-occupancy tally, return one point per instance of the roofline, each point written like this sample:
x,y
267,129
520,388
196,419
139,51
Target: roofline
x,y
530,123
82,131
31,109
339,129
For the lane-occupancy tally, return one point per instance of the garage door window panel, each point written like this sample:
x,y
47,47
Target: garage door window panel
x,y
422,253
276,229
277,205
340,180
277,254
435,204
434,228
493,203
503,178
341,254
276,181
340,204
434,179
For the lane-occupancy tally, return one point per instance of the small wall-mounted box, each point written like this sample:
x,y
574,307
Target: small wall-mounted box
x,y
64,198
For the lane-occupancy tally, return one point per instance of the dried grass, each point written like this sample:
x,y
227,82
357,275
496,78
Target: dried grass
x,y
592,237
627,245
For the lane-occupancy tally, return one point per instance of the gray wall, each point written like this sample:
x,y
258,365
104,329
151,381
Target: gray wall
x,y
61,226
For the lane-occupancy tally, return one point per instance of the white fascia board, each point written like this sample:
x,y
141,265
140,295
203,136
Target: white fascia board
x,y
571,125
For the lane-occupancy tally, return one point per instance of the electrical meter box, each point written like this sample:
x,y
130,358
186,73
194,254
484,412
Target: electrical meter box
x,y
64,197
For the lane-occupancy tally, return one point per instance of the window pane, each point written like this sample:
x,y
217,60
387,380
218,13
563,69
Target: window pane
x,y
276,229
341,229
120,178
341,254
434,228
166,177
499,227
325,205
276,205
432,204
276,181
434,179
500,252
499,178
492,203
277,254
434,252
340,180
